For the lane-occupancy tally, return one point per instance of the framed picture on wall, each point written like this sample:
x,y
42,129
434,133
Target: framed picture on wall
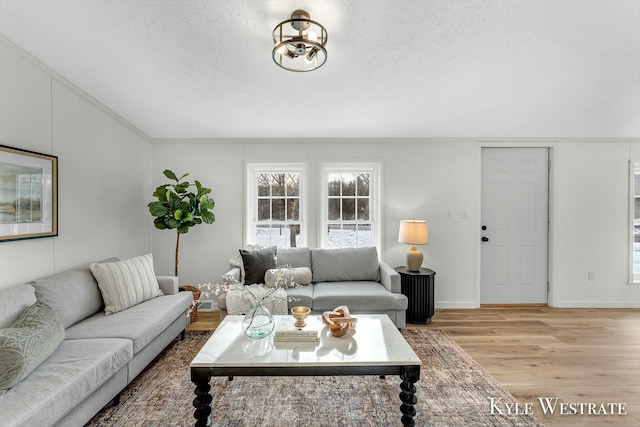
x,y
28,194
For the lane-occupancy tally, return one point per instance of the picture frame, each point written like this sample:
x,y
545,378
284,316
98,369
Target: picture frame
x,y
28,194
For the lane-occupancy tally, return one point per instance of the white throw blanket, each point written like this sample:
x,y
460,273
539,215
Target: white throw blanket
x,y
240,301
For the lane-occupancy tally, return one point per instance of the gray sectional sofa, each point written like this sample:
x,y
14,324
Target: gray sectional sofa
x,y
99,354
353,277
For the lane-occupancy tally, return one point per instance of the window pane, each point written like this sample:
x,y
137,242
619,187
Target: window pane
x,y
263,235
293,185
294,236
348,184
363,209
334,236
333,184
350,201
349,209
334,209
264,181
277,210
636,223
349,236
363,184
277,184
264,209
365,236
636,249
293,209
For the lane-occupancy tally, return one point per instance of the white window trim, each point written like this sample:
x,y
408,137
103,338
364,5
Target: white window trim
x,y
633,167
251,208
375,198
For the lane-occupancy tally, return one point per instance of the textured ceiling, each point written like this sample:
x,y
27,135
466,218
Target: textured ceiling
x,y
421,68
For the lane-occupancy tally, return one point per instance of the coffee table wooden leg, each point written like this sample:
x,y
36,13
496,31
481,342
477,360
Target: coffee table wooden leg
x,y
200,377
409,376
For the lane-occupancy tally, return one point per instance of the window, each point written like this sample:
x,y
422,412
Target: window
x,y
634,222
350,206
275,208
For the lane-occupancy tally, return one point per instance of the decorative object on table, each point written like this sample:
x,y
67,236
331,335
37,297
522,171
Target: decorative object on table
x,y
28,194
193,310
252,300
299,43
288,331
178,208
339,321
258,322
413,232
300,313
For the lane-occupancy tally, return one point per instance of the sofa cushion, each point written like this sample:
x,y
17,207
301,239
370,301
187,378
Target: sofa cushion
x,y
294,257
359,296
141,323
286,277
75,370
256,263
124,284
348,264
28,342
73,294
13,301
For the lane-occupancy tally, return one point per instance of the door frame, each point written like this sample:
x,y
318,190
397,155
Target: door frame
x,y
550,146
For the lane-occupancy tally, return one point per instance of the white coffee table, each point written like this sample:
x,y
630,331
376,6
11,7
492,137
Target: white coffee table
x,y
377,348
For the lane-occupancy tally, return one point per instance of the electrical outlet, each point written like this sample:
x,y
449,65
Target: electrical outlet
x,y
462,213
591,276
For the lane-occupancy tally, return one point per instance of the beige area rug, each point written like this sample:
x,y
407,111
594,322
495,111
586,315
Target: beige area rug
x,y
453,391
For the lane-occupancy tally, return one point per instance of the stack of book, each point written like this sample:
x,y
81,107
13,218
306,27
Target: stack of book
x,y
286,331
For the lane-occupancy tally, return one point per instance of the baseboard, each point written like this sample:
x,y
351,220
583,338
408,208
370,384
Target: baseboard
x,y
456,304
595,304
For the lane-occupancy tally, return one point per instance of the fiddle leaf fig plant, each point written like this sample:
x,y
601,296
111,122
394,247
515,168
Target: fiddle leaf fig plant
x,y
179,208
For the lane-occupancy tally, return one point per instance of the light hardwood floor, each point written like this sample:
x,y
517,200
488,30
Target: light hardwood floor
x,y
576,355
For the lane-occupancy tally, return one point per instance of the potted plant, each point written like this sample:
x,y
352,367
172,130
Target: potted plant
x,y
180,209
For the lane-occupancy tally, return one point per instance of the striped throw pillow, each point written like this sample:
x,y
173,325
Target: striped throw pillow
x,y
124,284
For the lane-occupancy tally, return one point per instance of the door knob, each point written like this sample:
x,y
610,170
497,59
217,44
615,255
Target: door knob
x,y
485,239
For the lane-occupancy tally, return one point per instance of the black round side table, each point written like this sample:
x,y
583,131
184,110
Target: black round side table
x,y
418,286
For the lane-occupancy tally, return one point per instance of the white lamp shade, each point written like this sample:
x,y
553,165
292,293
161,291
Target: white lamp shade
x,y
413,232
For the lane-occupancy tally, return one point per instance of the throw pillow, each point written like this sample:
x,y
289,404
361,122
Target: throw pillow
x,y
256,263
285,277
28,342
124,284
236,260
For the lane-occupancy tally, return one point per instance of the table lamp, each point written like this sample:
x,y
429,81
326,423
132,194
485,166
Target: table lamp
x,y
413,232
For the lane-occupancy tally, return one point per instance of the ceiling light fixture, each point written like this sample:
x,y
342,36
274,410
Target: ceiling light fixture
x,y
299,43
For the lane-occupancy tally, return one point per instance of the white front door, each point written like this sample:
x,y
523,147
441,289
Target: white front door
x,y
514,225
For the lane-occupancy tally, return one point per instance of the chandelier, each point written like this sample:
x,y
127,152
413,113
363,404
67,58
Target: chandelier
x,y
299,43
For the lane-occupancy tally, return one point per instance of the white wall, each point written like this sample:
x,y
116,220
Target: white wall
x,y
436,180
107,173
590,225
103,172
